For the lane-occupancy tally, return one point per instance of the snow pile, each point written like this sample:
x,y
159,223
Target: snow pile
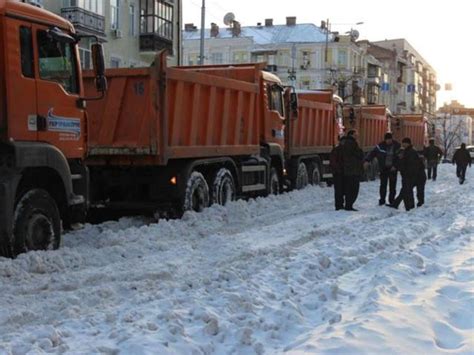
x,y
285,273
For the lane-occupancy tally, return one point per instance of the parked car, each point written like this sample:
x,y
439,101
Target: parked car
x,y
470,148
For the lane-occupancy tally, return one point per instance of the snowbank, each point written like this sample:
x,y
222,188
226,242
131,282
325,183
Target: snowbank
x,y
285,273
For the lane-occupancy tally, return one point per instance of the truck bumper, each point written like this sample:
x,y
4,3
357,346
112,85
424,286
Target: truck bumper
x,y
8,183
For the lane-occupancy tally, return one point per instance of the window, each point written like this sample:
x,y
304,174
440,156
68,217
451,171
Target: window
x,y
114,14
96,6
217,58
276,99
305,60
86,58
131,20
156,16
284,58
240,57
342,58
26,43
193,59
115,62
57,62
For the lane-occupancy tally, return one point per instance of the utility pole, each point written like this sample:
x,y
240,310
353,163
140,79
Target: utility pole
x,y
203,32
327,43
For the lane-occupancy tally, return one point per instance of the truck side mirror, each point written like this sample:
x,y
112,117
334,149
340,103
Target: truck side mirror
x,y
99,67
294,104
98,59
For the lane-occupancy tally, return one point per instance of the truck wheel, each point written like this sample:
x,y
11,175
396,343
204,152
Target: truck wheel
x,y
196,197
315,174
223,188
302,178
37,224
274,182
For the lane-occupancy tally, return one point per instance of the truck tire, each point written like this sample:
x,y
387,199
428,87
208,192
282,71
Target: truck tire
x,y
302,179
223,188
37,223
315,174
274,188
196,196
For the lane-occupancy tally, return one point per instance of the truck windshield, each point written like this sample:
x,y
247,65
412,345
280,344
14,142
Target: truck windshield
x,y
56,62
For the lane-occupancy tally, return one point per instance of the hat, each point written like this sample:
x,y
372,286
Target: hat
x,y
406,140
388,135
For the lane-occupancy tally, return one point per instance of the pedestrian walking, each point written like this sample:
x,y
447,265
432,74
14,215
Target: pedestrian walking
x,y
420,183
352,158
337,167
433,156
409,167
386,154
462,159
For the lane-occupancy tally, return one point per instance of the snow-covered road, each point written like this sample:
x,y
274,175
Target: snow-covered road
x,y
280,274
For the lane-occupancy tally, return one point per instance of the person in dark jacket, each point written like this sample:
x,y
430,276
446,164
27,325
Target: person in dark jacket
x,y
462,159
338,174
433,156
386,154
409,164
420,183
352,159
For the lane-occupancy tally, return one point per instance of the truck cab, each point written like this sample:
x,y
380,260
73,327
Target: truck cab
x,y
42,128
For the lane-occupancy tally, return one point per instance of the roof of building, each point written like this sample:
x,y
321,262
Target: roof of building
x,y
263,35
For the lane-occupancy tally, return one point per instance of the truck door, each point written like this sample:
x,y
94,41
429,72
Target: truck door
x,y
60,119
20,80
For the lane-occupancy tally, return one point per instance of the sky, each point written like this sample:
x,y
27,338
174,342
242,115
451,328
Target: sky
x,y
441,31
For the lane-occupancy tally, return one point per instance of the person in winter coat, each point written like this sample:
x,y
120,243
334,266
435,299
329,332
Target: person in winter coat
x,y
386,154
462,159
338,174
433,156
409,164
352,159
420,183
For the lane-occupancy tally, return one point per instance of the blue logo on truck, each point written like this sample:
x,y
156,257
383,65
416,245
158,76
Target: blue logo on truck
x,y
64,124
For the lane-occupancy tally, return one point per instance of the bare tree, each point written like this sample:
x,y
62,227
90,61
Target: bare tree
x,y
451,134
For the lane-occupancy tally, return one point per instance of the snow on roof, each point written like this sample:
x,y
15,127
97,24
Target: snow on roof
x,y
263,35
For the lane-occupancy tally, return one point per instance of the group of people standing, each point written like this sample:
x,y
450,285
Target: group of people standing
x,y
348,163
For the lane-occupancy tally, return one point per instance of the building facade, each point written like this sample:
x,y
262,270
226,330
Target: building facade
x,y
132,31
411,83
303,55
456,120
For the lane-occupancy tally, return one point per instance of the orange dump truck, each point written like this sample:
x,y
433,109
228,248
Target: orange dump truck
x,y
413,126
186,137
311,137
157,138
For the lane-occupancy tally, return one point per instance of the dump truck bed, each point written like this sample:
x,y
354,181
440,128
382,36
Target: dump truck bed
x,y
151,115
412,126
315,129
371,122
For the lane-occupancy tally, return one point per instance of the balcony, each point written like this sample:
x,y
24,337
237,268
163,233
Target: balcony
x,y
271,68
85,22
374,80
153,42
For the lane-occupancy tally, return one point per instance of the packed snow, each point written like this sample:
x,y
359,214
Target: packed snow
x,y
267,276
